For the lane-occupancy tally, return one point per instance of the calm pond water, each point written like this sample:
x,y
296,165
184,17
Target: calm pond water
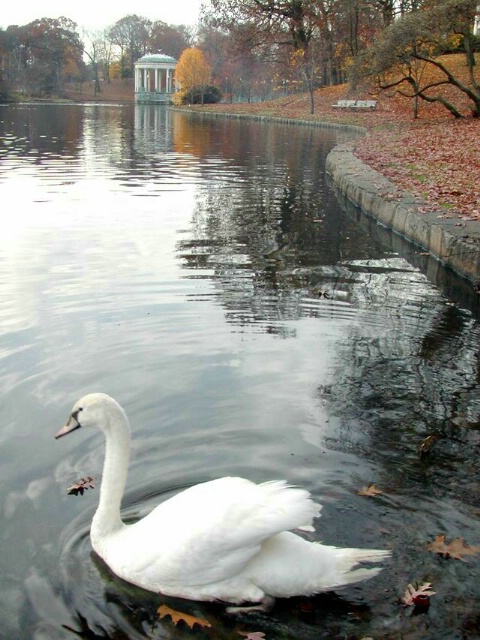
x,y
203,273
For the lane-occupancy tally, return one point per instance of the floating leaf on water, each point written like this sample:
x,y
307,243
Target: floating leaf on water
x,y
370,491
418,595
80,486
178,616
427,445
455,549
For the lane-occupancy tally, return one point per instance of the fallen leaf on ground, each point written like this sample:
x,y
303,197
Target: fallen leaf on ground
x,y
429,173
455,549
417,595
179,616
252,635
370,491
81,485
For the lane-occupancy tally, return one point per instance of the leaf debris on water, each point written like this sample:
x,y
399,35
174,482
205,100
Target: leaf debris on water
x,y
370,490
427,444
178,616
81,485
456,549
418,595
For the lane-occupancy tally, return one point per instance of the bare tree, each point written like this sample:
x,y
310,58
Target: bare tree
x,y
301,25
130,34
91,50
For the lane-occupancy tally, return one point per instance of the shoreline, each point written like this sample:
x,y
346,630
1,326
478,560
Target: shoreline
x,y
455,245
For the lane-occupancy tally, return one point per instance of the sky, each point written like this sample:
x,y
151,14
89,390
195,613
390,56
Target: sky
x,y
95,14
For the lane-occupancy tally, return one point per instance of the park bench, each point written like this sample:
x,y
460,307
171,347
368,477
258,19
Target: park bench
x,y
355,104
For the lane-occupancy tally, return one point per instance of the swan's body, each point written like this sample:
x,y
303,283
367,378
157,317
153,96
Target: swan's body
x,y
228,539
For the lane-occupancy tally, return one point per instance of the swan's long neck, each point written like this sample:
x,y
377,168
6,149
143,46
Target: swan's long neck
x,y
115,468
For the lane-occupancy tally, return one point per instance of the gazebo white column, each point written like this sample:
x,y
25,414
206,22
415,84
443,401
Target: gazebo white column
x,y
153,78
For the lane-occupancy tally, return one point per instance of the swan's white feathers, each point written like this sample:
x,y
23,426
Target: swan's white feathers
x,y
210,532
228,539
289,565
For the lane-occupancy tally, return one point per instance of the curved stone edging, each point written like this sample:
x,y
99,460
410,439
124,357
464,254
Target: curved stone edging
x,y
455,245
259,118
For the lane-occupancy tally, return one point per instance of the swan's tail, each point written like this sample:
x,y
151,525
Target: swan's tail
x,y
290,566
348,559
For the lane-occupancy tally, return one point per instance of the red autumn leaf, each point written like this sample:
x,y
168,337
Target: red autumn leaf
x,y
434,161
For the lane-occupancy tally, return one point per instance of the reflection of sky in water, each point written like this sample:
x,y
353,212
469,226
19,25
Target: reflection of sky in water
x,y
202,273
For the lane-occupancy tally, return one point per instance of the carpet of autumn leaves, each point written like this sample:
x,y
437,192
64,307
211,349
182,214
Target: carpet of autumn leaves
x,y
435,156
438,161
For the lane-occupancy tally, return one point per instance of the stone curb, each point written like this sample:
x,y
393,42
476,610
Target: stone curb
x,y
454,243
321,124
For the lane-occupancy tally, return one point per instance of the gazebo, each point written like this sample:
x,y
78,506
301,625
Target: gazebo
x,y
154,78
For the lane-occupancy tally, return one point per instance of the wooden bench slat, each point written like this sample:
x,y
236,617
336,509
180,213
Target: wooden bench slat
x,y
355,104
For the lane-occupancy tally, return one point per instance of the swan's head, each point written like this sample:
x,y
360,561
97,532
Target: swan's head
x,y
93,410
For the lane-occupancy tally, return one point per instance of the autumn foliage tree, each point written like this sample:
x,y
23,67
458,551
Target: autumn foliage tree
x,y
240,72
414,43
299,25
310,41
171,39
38,56
192,73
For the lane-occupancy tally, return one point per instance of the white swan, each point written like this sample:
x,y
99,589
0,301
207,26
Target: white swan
x,y
228,539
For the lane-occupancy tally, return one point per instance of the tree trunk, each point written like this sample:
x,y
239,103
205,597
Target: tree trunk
x,y
312,100
97,87
308,78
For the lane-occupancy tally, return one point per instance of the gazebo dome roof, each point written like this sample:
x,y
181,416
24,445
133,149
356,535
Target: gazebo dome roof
x,y
157,57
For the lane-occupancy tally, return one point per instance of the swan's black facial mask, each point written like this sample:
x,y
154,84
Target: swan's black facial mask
x,y
73,424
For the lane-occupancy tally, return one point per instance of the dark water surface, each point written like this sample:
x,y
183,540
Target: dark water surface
x,y
202,272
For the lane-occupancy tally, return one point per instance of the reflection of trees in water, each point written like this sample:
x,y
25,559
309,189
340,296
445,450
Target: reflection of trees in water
x,y
271,238
409,368
267,231
35,130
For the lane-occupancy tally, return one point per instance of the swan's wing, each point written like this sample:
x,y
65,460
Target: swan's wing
x,y
209,532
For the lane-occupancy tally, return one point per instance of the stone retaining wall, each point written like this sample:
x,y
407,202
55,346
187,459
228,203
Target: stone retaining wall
x,y
456,243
